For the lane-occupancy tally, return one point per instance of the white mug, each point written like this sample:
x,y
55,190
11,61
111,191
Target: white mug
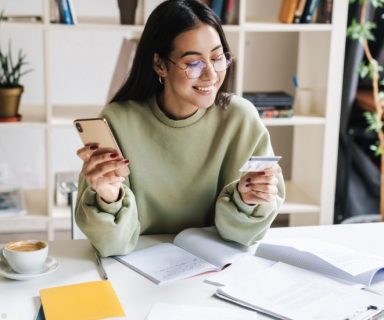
x,y
26,256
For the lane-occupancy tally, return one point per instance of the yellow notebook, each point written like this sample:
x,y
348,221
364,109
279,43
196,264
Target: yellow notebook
x,y
83,301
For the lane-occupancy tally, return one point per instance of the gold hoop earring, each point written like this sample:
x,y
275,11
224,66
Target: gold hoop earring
x,y
161,80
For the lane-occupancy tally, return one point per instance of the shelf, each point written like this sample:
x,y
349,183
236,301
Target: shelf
x,y
297,201
96,25
295,121
284,27
23,223
32,115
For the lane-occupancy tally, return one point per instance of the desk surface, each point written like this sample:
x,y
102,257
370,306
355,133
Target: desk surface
x,y
19,299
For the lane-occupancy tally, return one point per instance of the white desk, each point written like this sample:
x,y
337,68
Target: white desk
x,y
18,299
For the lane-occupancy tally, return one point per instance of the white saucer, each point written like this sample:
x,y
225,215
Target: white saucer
x,y
50,265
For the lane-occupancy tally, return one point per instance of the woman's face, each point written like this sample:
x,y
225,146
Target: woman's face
x,y
182,95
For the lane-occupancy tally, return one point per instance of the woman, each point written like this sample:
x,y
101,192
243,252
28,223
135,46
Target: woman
x,y
185,139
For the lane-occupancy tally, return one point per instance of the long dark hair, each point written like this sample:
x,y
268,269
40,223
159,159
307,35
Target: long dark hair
x,y
167,21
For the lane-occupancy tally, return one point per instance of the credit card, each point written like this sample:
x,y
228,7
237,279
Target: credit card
x,y
259,163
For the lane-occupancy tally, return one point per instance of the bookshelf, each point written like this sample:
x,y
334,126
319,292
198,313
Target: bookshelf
x,y
73,66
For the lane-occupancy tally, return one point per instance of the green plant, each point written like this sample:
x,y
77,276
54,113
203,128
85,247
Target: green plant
x,y
11,71
361,30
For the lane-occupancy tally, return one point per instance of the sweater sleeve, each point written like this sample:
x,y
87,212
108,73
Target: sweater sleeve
x,y
237,221
112,228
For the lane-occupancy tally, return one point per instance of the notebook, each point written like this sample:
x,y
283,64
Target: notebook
x,y
87,300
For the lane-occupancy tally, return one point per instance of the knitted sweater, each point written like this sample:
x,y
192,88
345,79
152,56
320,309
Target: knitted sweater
x,y
183,174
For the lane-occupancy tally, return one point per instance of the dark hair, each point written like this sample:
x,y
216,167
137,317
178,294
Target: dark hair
x,y
167,21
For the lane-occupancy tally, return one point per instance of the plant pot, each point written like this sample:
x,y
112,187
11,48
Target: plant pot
x,y
10,101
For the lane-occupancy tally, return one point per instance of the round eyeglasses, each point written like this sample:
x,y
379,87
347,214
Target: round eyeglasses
x,y
193,70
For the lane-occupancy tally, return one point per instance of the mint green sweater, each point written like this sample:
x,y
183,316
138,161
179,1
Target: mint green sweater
x,y
183,174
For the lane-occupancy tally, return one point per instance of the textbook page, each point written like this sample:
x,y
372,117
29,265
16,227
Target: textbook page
x,y
165,311
288,292
194,251
207,244
328,258
240,269
165,262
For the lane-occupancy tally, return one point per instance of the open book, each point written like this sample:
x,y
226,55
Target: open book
x,y
193,251
327,258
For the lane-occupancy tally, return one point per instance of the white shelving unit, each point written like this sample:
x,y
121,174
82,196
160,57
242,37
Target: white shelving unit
x,y
73,66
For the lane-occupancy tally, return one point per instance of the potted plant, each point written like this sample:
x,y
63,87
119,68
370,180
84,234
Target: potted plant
x,y
361,30
10,88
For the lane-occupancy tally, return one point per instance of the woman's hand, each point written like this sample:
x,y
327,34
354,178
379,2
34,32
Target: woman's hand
x,y
259,187
104,169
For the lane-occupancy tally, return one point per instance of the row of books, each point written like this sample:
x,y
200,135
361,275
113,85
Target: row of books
x,y
274,104
306,11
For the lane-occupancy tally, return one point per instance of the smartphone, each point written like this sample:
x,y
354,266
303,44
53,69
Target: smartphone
x,y
97,130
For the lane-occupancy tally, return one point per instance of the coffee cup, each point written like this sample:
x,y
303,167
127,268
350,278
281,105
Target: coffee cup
x,y
26,256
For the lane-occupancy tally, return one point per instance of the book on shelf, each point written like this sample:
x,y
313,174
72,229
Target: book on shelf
x,y
218,7
72,11
288,292
194,251
272,104
299,11
309,11
123,66
127,10
65,13
268,114
11,202
230,12
79,301
22,18
324,11
287,10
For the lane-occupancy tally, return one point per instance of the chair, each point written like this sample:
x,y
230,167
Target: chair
x,y
76,233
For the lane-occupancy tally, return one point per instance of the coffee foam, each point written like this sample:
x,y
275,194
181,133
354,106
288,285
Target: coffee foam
x,y
25,246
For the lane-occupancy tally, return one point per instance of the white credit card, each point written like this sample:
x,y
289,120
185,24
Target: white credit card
x,y
257,163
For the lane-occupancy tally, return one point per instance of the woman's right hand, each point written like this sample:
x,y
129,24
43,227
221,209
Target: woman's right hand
x,y
104,169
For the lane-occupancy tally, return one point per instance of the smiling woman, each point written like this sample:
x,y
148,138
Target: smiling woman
x,y
185,137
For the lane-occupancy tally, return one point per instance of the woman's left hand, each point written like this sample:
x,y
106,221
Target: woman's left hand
x,y
259,187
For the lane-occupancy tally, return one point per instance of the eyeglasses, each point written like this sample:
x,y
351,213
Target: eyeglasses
x,y
193,70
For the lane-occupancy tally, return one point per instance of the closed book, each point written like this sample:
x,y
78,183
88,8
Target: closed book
x,y
263,107
299,11
324,11
309,10
230,12
72,11
217,6
127,11
276,114
65,12
287,10
87,300
269,98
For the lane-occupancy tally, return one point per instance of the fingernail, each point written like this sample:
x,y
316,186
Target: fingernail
x,y
114,155
126,161
247,185
248,180
94,147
